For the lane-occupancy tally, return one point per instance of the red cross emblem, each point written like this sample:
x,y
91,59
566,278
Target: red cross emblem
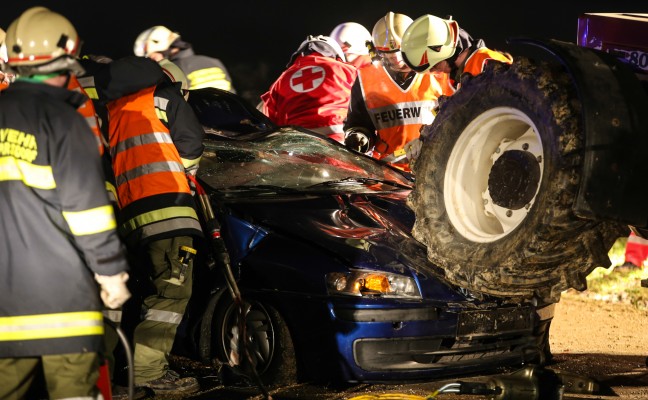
x,y
307,79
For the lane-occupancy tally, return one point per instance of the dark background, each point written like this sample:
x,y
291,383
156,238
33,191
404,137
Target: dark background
x,y
255,38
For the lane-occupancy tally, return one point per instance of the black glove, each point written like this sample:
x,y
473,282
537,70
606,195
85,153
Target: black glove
x,y
356,140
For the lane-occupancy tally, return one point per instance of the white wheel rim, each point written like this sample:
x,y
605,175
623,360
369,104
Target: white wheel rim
x,y
467,197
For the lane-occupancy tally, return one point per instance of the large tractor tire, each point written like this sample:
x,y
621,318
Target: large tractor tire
x,y
495,182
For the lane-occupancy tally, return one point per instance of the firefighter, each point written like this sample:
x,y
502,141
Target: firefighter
x,y
389,102
353,38
155,139
439,46
58,236
313,92
160,42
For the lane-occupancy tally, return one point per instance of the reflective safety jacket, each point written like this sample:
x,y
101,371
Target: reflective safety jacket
x,y
312,93
203,71
57,227
149,161
397,113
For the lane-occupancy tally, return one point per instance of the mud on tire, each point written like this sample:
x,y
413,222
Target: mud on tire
x,y
495,182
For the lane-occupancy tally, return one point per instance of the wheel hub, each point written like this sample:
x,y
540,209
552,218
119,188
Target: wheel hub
x,y
513,179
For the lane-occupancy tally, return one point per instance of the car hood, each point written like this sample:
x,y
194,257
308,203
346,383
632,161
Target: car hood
x,y
368,231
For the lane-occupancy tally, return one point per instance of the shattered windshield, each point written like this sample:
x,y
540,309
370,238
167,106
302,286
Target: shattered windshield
x,y
290,159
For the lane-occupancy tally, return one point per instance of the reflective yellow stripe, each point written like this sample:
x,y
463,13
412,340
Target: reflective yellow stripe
x,y
161,105
209,77
36,176
161,114
190,163
91,221
159,215
112,192
48,326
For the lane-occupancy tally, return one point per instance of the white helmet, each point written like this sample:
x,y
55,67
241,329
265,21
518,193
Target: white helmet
x,y
3,47
156,39
176,75
388,32
42,42
352,37
428,41
322,44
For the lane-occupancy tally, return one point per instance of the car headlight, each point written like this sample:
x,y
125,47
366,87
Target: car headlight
x,y
372,283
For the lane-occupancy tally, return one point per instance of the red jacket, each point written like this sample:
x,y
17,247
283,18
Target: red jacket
x,y
312,93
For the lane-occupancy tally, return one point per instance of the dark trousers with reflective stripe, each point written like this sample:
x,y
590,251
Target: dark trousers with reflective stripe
x,y
67,376
154,336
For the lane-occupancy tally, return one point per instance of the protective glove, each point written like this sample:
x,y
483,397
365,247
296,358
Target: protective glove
x,y
356,140
114,292
413,149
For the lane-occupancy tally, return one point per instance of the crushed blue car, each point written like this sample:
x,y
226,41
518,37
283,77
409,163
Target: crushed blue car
x,y
334,285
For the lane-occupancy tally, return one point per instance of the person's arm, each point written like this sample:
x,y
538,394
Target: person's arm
x,y
186,131
360,132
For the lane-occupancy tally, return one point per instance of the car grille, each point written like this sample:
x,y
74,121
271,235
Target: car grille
x,y
435,353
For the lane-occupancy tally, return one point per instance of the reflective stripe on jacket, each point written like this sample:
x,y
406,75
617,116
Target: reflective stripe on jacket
x,y
397,113
152,187
203,71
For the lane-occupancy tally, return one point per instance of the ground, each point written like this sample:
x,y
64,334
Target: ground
x,y
604,340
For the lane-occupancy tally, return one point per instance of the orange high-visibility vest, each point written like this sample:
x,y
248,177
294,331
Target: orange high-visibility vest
x,y
397,113
148,170
88,111
476,62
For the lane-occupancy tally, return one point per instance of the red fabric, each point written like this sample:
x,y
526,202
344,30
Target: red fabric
x,y
312,93
636,250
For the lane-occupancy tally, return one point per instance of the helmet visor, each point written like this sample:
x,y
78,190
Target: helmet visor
x,y
394,60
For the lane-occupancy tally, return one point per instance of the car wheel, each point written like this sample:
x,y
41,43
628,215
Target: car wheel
x,y
495,182
270,350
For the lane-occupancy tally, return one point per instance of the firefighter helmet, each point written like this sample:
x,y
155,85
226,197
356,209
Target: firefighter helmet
x,y
157,39
3,47
41,42
176,75
352,37
388,32
428,41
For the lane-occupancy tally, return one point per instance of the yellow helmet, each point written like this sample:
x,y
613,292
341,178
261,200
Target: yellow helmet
x,y
156,39
42,42
428,41
388,31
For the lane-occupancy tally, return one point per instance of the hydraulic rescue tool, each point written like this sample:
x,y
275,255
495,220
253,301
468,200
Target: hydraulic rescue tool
x,y
219,257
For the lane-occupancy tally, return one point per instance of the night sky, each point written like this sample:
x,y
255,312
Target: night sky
x,y
255,38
